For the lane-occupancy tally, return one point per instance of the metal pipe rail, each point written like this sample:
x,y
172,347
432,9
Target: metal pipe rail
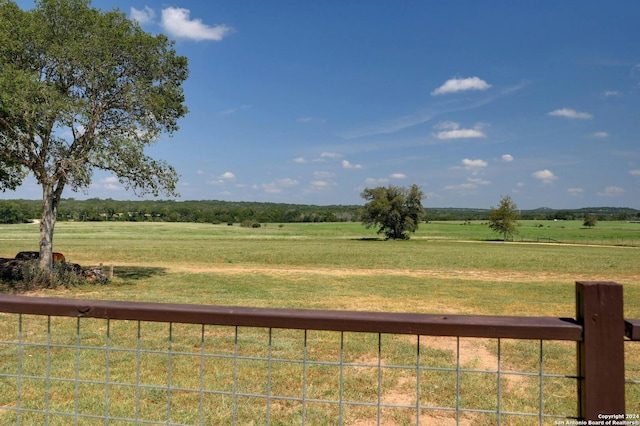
x,y
540,328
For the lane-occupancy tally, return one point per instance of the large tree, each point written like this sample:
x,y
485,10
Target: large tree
x,y
395,210
504,218
83,89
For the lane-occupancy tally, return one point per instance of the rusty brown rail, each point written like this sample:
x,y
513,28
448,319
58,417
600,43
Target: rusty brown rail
x,y
540,328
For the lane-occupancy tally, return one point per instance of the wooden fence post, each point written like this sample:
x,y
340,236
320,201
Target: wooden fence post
x,y
599,309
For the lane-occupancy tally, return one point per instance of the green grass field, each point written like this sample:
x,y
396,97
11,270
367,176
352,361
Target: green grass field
x,y
447,267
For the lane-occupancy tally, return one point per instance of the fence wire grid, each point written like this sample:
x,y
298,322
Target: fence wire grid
x,y
61,371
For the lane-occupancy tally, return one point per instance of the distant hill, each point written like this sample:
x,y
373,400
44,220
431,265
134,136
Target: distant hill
x,y
214,211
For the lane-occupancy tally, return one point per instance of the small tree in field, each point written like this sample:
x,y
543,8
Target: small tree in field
x,y
590,220
82,89
395,210
504,219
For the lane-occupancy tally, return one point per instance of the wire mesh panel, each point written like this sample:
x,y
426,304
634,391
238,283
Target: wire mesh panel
x,y
62,371
632,378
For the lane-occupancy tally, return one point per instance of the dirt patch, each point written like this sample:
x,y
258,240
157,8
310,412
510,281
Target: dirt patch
x,y
472,354
462,274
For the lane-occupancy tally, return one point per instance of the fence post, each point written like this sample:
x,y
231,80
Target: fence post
x,y
599,308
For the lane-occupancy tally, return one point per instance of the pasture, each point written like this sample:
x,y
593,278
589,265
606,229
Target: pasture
x,y
447,267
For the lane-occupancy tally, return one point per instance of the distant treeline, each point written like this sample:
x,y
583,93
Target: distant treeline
x,y
211,211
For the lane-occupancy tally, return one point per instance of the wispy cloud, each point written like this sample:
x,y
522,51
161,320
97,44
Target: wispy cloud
x,y
612,93
311,120
612,191
427,114
600,135
507,158
635,172
468,187
376,181
277,186
330,155
544,176
323,175
576,192
321,185
178,23
231,111
571,113
460,85
479,181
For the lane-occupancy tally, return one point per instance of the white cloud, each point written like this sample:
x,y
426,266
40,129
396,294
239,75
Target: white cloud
x,y
507,158
143,16
374,181
310,120
277,186
635,172
330,155
347,165
447,125
234,110
398,176
611,191
177,23
227,176
323,175
321,184
461,84
299,160
472,183
452,130
287,182
600,135
461,187
612,93
479,181
545,176
571,113
110,183
576,192
474,166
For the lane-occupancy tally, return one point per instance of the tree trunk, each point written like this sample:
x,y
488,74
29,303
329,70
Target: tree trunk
x,y
47,223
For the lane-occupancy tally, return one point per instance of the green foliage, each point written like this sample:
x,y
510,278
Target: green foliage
x,y
395,210
35,278
215,211
590,220
504,218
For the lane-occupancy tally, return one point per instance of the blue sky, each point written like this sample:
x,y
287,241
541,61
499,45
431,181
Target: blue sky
x,y
311,102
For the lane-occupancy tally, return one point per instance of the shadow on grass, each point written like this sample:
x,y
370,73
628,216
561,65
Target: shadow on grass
x,y
368,239
137,272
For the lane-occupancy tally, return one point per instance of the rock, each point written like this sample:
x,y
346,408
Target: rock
x,y
31,255
11,269
94,274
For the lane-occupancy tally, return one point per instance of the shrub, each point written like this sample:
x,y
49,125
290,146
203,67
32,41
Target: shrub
x,y
33,277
